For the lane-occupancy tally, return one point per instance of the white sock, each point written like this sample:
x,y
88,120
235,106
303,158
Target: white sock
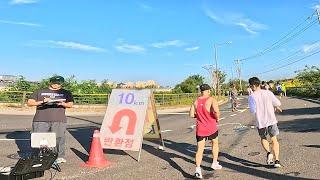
x,y
198,169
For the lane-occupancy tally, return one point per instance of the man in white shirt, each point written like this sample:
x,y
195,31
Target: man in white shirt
x,y
263,104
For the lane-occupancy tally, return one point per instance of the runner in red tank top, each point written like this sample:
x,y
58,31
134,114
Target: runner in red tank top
x,y
206,110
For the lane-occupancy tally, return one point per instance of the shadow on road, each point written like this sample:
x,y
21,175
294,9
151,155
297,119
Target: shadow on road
x,y
169,157
84,136
85,120
243,161
246,166
312,146
23,142
313,100
300,125
301,111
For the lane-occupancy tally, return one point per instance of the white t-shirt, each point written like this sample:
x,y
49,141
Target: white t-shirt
x,y
262,103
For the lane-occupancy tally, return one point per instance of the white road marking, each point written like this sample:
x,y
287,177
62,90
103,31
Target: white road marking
x,y
243,110
221,118
192,127
14,139
230,124
173,113
167,130
233,114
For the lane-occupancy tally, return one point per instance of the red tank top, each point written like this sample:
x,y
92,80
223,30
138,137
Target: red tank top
x,y
206,121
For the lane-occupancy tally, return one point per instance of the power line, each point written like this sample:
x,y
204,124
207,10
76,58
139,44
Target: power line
x,y
289,63
284,59
289,57
286,38
293,36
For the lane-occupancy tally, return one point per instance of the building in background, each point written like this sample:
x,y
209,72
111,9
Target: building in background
x,y
7,80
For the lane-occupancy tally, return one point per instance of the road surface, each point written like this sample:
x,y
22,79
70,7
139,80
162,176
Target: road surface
x,y
241,154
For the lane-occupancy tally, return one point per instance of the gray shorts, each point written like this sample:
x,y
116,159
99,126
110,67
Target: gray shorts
x,y
270,130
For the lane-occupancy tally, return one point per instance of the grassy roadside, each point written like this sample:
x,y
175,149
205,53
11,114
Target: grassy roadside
x,y
100,108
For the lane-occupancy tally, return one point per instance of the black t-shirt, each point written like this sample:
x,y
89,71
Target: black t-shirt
x,y
51,112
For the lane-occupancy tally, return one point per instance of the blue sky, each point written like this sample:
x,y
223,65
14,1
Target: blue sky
x,y
161,40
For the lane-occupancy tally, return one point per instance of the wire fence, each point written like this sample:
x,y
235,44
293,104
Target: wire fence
x,y
98,99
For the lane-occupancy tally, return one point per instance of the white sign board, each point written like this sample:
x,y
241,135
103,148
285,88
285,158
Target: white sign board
x,y
123,124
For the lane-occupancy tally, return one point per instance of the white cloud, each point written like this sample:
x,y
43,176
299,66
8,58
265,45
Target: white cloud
x,y
316,5
17,2
145,6
67,45
247,24
20,23
192,48
175,43
311,47
130,48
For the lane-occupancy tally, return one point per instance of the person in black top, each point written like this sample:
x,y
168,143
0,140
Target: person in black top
x,y
50,115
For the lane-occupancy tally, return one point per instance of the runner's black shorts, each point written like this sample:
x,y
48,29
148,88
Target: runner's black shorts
x,y
210,137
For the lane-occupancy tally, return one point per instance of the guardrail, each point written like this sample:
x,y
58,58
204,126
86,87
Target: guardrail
x,y
85,99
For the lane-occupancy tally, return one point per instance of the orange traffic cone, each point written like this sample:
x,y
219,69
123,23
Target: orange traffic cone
x,y
96,156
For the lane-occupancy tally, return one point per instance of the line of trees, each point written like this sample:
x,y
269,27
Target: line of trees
x,y
309,77
82,87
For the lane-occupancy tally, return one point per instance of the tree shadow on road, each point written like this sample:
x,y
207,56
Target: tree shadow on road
x,y
300,125
169,157
249,168
85,120
301,111
313,100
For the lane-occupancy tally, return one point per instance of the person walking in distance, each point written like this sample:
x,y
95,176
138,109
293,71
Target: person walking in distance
x,y
50,115
262,104
206,111
279,90
284,89
234,98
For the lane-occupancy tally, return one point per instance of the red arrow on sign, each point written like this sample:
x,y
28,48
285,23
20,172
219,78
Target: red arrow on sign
x,y
115,126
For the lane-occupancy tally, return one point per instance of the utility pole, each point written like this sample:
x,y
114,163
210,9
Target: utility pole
x,y
239,73
217,75
217,89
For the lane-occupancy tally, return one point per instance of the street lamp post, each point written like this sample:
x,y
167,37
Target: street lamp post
x,y
216,62
215,45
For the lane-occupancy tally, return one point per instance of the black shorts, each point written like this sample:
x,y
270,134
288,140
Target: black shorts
x,y
212,136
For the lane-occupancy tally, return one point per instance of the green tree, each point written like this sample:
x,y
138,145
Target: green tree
x,y
71,84
21,85
105,88
222,77
310,76
189,85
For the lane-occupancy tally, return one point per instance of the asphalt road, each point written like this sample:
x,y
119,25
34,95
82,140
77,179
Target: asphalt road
x,y
241,154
